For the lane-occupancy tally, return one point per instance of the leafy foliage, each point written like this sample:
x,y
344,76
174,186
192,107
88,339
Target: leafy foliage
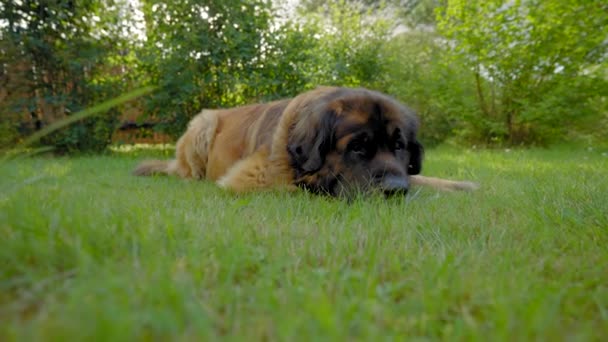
x,y
228,53
351,45
59,57
490,72
534,63
438,89
202,54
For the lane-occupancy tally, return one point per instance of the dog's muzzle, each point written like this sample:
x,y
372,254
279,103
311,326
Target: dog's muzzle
x,y
394,185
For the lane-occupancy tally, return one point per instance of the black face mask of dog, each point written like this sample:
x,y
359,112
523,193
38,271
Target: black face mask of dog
x,y
355,143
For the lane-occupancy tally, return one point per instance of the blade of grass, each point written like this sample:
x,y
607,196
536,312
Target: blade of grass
x,y
100,108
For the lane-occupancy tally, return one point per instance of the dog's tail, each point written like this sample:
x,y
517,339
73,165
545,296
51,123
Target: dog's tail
x,y
154,167
443,184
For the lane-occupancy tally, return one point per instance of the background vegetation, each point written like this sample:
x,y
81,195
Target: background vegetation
x,y
478,72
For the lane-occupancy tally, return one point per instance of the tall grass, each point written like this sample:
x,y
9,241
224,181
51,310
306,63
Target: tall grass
x,y
89,252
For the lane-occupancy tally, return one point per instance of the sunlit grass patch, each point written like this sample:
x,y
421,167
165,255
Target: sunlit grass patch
x,y
130,148
90,252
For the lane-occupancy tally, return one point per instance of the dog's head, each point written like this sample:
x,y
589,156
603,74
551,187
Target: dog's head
x,y
346,141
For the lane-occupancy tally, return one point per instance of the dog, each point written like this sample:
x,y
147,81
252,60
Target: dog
x,y
331,140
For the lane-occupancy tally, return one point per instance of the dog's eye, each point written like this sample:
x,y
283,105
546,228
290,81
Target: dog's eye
x,y
359,146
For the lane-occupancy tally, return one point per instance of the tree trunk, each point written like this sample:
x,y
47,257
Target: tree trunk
x,y
480,96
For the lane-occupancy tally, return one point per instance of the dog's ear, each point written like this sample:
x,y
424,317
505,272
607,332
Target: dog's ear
x,y
416,151
309,142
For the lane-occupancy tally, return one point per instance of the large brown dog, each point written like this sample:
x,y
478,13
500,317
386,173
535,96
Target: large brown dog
x,y
335,141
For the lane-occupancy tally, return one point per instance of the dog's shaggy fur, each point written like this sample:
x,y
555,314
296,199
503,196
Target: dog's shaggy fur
x,y
330,140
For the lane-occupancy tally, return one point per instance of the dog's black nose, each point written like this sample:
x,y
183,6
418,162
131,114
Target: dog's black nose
x,y
394,185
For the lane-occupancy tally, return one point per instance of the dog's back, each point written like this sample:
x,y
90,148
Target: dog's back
x,y
217,139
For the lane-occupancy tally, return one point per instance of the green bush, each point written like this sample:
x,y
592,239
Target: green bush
x,y
536,64
9,134
490,73
441,91
60,57
351,45
89,135
201,56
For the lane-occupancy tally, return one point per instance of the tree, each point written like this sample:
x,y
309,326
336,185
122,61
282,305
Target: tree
x,y
534,63
351,44
438,88
203,55
57,58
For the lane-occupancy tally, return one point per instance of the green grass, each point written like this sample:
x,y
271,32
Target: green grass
x,y
89,252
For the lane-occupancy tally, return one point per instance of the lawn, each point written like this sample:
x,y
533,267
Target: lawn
x,y
89,252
